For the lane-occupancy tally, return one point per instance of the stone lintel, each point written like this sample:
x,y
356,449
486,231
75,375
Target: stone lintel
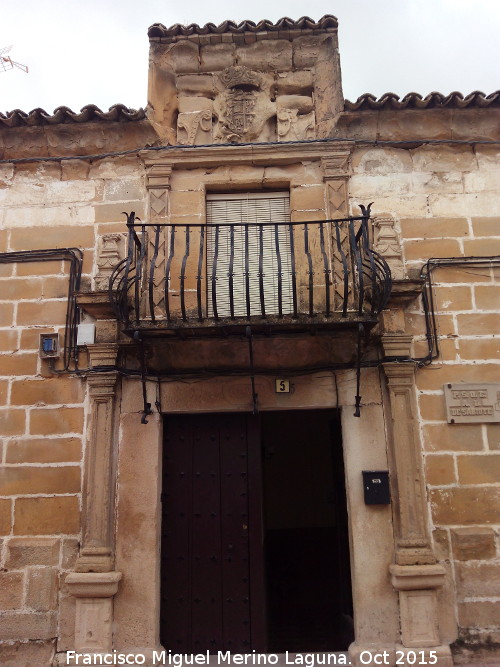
x,y
397,345
262,155
417,577
93,584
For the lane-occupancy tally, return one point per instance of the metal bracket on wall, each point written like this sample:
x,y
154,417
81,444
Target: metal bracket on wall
x,y
147,406
357,411
248,333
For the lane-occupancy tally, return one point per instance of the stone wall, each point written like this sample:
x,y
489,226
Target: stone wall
x,y
42,415
443,202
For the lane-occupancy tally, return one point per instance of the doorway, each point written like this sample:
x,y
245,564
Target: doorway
x,y
309,596
254,533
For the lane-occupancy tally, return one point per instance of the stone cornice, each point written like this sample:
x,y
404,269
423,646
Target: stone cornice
x,y
215,155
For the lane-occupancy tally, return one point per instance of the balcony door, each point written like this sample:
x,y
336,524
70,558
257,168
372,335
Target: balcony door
x,y
249,259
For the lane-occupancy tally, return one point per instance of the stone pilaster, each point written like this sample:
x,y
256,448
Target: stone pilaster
x,y
335,167
158,187
96,553
416,575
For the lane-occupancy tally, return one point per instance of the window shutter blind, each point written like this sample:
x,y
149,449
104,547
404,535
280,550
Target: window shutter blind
x,y
266,239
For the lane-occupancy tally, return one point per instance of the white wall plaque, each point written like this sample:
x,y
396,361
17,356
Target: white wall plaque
x,y
472,403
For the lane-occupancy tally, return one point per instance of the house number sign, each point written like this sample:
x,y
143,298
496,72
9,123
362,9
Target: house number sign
x,y
282,386
472,403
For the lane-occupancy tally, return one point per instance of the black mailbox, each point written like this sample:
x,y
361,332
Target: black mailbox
x,y
376,487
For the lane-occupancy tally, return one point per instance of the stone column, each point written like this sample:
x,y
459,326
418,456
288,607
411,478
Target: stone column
x,y
415,575
94,583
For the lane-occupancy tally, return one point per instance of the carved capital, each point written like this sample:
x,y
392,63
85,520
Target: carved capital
x,y
397,344
336,164
417,577
388,244
102,354
158,175
93,584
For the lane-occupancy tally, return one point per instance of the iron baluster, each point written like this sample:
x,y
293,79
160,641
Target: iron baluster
x,y
310,271
359,267
294,276
138,275
345,269
247,273
198,276
280,273
231,271
214,273
152,274
167,271
183,274
261,272
326,269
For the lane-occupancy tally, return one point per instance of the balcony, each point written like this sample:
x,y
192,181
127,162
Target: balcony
x,y
202,279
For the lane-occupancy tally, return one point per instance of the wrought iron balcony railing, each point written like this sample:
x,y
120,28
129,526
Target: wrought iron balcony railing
x,y
196,275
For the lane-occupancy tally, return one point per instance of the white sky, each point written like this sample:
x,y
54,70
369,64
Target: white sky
x,y
96,51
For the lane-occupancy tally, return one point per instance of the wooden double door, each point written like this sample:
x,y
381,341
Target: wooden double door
x,y
255,549
212,555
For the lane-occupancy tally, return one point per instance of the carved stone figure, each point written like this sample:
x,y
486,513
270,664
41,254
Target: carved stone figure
x,y
194,127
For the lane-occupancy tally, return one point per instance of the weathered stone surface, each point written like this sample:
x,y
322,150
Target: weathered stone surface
x,y
51,391
5,515
27,654
11,590
44,450
181,57
27,551
266,55
299,82
479,614
69,555
61,420
477,580
493,436
28,625
425,228
381,161
47,516
216,57
474,543
439,470
29,479
41,592
465,505
202,85
443,158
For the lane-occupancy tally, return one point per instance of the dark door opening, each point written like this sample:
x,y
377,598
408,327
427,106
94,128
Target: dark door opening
x,y
309,597
254,552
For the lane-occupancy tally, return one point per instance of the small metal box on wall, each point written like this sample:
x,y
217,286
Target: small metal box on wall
x,y
376,487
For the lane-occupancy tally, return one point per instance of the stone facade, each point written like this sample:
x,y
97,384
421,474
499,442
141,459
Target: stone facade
x,y
80,498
